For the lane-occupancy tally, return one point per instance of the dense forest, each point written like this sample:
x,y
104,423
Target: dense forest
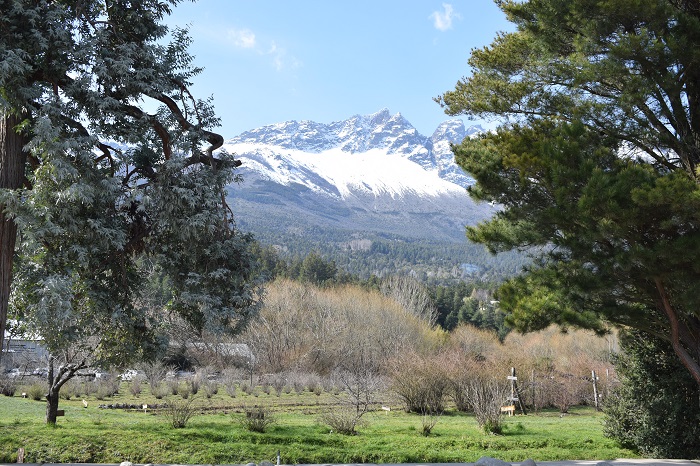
x,y
367,254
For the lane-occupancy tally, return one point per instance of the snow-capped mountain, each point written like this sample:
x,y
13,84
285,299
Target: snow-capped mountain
x,y
373,173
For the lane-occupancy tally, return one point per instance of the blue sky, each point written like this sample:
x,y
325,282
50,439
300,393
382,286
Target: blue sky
x,y
268,61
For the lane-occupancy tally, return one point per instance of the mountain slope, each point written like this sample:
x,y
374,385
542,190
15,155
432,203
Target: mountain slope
x,y
370,177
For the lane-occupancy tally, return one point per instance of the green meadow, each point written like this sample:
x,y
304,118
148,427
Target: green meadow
x,y
216,434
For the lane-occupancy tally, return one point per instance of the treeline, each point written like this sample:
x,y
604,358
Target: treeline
x,y
367,254
452,304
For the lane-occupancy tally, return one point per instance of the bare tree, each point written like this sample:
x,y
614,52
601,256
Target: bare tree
x,y
358,374
412,295
62,368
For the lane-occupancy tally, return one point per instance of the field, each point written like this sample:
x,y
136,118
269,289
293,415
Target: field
x,y
216,434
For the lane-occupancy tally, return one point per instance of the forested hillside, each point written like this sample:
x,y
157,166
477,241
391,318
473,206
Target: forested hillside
x,y
367,254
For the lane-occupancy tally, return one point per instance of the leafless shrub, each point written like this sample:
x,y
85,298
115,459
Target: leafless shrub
x,y
194,384
173,386
412,295
230,379
110,384
567,390
278,383
328,384
154,372
343,420
68,390
184,390
460,370
308,328
8,386
159,391
89,387
257,419
36,391
246,388
179,413
486,397
106,387
428,422
312,383
135,386
421,383
211,388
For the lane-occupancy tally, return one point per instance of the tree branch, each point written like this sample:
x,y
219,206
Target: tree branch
x,y
686,359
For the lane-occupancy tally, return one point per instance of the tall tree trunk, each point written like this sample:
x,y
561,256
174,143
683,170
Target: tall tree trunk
x,y
12,160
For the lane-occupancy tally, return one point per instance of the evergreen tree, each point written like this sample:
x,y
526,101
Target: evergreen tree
x,y
655,410
595,165
316,270
104,182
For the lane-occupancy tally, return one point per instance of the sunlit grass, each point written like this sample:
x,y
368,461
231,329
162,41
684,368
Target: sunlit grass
x,y
95,435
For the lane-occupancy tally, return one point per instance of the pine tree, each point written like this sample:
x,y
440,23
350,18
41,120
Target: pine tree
x,y
595,163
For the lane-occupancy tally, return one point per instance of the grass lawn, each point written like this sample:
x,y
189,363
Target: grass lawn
x,y
216,436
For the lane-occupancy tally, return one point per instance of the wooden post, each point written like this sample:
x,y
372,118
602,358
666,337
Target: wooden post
x,y
533,394
515,395
20,455
595,390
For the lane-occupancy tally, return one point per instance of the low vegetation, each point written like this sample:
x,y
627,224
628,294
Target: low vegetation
x,y
215,434
341,374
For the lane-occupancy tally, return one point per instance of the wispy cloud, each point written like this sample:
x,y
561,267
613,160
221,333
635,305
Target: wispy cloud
x,y
442,20
242,38
281,60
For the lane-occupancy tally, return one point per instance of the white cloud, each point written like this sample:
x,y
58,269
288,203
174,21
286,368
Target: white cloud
x,y
243,38
442,20
281,60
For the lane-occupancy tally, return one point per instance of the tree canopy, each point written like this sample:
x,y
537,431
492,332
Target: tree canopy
x,y
594,163
118,169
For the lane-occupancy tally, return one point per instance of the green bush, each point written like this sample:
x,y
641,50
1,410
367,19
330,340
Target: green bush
x,y
184,390
655,409
343,420
257,419
36,391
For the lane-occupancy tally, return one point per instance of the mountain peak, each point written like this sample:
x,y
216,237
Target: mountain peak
x,y
379,133
379,117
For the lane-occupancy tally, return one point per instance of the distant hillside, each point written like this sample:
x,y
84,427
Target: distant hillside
x,y
369,192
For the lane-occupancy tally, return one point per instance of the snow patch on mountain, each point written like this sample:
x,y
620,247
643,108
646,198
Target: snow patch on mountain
x,y
337,173
380,153
373,173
